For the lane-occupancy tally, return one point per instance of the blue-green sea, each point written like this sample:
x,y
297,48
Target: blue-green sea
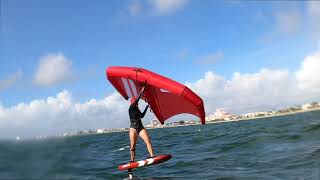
x,y
286,147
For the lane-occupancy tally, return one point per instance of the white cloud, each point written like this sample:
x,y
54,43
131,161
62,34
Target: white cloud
x,y
183,53
309,74
165,7
211,58
288,21
10,80
154,7
293,20
244,92
61,114
210,82
265,90
53,69
313,11
135,7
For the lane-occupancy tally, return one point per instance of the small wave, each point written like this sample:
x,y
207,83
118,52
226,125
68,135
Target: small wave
x,y
312,127
257,139
121,149
295,137
316,153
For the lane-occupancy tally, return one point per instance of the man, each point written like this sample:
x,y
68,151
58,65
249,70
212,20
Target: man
x,y
136,126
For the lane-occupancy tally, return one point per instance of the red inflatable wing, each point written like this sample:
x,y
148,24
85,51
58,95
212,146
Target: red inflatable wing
x,y
165,96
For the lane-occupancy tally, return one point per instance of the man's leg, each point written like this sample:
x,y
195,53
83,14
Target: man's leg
x,y
133,141
144,135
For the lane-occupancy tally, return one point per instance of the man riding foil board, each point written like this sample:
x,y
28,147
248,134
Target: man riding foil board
x,y
165,97
137,128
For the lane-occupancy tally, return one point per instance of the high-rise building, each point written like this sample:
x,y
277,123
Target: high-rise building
x,y
155,123
219,114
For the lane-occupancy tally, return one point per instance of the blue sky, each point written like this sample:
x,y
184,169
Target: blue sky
x,y
99,34
181,39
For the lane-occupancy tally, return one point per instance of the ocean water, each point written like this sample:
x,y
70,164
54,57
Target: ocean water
x,y
286,147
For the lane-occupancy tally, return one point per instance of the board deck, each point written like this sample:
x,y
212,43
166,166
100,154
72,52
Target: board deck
x,y
150,161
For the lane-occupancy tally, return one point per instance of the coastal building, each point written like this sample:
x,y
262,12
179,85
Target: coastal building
x,y
306,106
249,115
262,113
256,114
211,117
179,123
190,122
220,114
99,131
155,123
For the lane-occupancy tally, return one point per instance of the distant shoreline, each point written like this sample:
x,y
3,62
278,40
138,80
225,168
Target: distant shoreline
x,y
243,119
207,122
277,115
